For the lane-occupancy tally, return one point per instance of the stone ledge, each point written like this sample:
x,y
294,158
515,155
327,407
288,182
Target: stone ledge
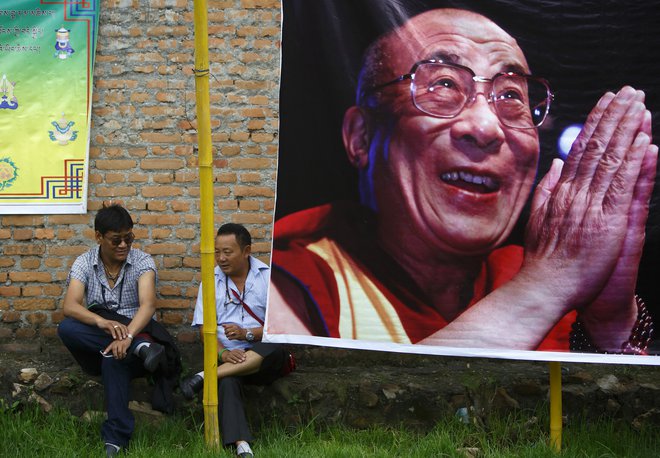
x,y
360,389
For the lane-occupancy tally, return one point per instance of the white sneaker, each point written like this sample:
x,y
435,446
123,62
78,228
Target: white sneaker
x,y
243,450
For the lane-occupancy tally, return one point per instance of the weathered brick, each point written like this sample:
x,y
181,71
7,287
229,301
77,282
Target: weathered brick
x,y
10,291
115,191
171,318
156,206
25,333
23,234
172,303
154,220
24,250
30,263
67,250
34,304
186,233
53,290
175,275
252,218
11,317
172,261
53,262
27,291
169,290
49,332
166,248
115,164
251,191
44,233
250,163
57,316
161,191
36,319
45,277
68,219
155,164
22,220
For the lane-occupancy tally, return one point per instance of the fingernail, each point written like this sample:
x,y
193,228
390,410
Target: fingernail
x,y
641,139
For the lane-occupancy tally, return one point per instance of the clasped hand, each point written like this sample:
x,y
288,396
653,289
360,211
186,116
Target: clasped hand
x,y
585,234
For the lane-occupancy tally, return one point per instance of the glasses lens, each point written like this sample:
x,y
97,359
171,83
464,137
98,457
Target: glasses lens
x,y
128,239
521,101
441,90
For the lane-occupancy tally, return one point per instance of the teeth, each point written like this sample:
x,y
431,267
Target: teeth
x,y
469,178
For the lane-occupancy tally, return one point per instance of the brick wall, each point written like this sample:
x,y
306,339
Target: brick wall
x,y
143,154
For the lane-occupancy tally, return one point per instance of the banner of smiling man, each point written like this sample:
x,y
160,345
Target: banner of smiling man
x,y
469,178
46,66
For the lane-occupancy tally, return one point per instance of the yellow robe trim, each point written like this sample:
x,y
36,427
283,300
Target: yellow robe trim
x,y
364,312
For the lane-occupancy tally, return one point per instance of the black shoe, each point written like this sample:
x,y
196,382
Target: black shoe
x,y
191,386
153,356
112,449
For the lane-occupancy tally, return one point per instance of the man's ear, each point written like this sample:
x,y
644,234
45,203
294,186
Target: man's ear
x,y
355,133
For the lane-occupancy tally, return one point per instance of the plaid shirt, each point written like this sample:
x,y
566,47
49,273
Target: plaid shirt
x,y
123,297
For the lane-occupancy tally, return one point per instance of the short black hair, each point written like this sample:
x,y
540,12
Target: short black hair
x,y
113,218
243,237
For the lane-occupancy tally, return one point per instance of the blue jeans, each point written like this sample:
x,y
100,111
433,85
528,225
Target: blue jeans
x,y
85,342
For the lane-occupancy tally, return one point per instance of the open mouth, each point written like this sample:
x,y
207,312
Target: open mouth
x,y
471,182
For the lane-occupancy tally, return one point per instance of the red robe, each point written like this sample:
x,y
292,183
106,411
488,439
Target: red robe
x,y
369,287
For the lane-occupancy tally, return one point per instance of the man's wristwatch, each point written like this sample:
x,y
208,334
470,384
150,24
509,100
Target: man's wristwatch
x,y
249,336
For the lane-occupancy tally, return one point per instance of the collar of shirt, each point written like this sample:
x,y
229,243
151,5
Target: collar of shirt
x,y
255,266
129,258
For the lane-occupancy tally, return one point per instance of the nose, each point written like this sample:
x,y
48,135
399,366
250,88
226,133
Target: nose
x,y
479,125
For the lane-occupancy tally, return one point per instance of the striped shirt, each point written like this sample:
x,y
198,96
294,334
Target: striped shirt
x,y
123,296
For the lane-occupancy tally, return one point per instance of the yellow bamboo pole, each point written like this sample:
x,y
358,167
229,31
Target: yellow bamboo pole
x,y
209,329
555,405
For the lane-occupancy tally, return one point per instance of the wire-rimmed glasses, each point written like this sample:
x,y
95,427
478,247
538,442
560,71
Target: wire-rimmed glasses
x,y
443,90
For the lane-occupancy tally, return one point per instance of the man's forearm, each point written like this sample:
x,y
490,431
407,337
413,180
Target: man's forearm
x,y
141,318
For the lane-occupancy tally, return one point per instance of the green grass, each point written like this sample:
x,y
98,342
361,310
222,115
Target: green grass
x,y
30,433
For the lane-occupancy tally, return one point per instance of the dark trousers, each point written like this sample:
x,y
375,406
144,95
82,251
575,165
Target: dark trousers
x,y
85,343
233,421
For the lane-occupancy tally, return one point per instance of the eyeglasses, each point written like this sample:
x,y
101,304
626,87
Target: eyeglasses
x,y
116,241
443,90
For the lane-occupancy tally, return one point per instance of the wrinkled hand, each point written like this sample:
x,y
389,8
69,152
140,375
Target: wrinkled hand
x,y
234,332
233,356
611,316
117,330
118,348
584,214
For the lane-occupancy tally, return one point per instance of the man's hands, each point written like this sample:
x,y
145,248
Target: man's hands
x,y
586,230
234,331
117,330
118,348
235,356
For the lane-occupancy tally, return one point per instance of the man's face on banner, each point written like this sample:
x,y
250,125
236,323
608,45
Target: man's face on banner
x,y
460,183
